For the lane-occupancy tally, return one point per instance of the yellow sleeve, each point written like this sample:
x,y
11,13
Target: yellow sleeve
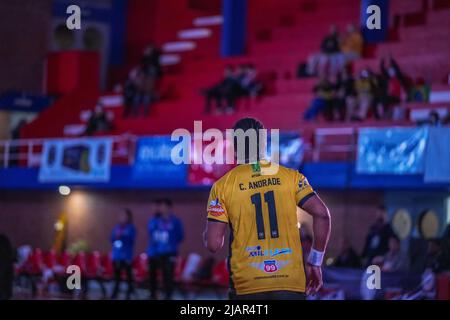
x,y
303,190
216,208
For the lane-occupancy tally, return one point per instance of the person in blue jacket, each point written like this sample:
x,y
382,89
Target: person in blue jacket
x,y
122,239
165,235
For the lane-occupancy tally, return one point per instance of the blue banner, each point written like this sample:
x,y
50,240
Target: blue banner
x,y
437,164
21,101
153,163
391,150
77,160
291,148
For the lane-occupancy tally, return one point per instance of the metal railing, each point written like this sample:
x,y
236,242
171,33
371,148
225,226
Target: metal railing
x,y
346,149
28,152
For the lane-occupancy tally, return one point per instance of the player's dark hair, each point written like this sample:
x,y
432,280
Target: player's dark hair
x,y
248,124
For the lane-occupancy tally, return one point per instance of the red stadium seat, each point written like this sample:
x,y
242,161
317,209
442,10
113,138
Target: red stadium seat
x,y
93,265
50,259
220,274
107,267
35,263
140,268
80,261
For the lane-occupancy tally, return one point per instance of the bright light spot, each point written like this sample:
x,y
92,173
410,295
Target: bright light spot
x,y
329,261
64,190
448,210
59,226
118,244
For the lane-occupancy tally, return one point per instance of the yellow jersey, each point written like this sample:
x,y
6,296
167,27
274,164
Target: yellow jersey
x,y
261,209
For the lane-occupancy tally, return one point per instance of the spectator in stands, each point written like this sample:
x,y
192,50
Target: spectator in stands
x,y
437,259
364,86
122,239
151,70
330,44
6,268
131,92
394,260
419,91
226,91
447,118
377,239
352,43
390,90
323,100
248,82
151,61
347,257
165,235
345,99
100,121
434,119
330,59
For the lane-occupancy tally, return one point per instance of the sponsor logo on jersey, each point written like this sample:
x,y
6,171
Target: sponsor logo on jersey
x,y
302,184
270,266
215,208
257,251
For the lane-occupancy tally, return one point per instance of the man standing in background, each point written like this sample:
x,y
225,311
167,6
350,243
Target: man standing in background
x,y
377,239
122,239
165,235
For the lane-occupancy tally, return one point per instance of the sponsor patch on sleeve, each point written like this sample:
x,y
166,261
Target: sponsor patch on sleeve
x,y
302,184
215,208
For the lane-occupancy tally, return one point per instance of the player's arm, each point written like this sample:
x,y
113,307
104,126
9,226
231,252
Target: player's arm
x,y
321,221
217,221
214,235
321,227
309,201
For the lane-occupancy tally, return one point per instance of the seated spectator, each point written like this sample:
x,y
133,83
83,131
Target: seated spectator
x,y
390,91
364,86
345,100
322,101
131,90
248,82
394,260
100,121
226,91
447,118
330,60
140,87
434,119
151,61
419,91
152,71
330,44
436,259
352,43
347,257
